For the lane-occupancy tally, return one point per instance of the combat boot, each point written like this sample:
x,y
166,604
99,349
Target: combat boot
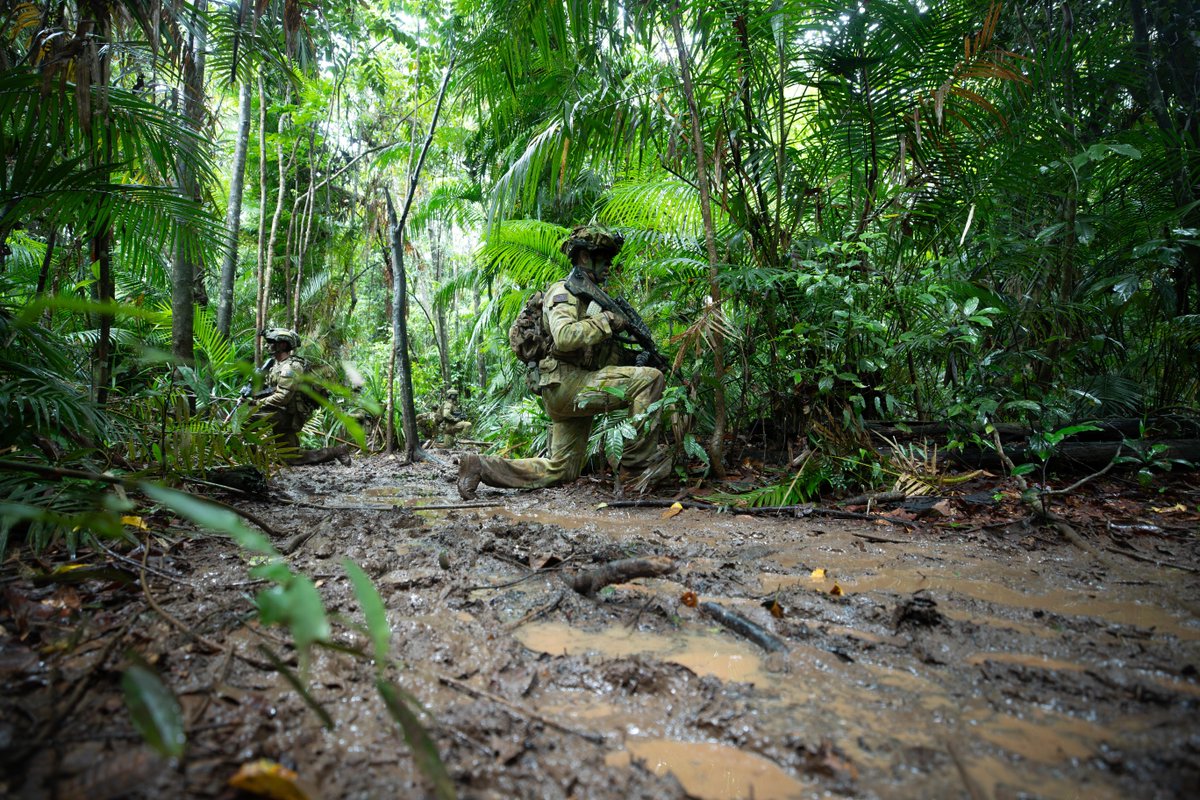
x,y
470,471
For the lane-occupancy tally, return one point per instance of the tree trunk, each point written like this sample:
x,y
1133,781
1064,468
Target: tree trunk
x,y
439,314
480,361
233,213
185,268
260,252
716,445
408,412
399,312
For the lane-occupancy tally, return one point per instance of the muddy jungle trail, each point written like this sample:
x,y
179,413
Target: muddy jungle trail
x,y
549,646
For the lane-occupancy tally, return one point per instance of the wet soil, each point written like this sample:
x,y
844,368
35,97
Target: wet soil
x,y
971,655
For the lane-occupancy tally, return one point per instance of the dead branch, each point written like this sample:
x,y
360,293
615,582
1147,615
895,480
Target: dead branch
x,y
587,583
534,614
520,713
744,627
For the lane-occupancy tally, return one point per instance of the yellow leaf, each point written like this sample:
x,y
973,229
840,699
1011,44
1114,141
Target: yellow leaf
x,y
818,574
601,505
135,522
673,510
267,779
1168,509
836,591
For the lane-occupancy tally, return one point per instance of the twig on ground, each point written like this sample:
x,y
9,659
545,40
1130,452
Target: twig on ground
x,y
160,573
975,791
199,638
296,542
517,711
740,625
535,613
587,583
881,539
1147,559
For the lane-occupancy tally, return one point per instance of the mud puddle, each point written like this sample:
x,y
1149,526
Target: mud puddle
x,y
940,663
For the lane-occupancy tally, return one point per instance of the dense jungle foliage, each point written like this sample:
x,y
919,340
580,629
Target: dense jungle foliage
x,y
965,212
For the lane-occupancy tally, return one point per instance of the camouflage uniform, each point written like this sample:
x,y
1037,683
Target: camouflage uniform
x,y
283,406
450,421
582,363
286,407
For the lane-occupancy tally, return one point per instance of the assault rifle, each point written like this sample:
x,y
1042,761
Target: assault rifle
x,y
247,393
579,284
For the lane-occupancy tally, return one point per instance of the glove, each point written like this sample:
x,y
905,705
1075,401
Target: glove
x,y
643,358
616,322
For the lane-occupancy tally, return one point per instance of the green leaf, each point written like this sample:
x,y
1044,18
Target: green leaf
x,y
424,751
1024,469
373,610
154,710
207,515
298,605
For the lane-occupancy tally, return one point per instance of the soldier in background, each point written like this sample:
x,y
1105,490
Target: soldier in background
x,y
453,423
284,403
583,361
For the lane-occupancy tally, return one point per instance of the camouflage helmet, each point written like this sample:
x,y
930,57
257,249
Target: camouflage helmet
x,y
452,393
288,335
593,239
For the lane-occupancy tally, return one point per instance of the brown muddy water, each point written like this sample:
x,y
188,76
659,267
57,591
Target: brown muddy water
x,y
934,662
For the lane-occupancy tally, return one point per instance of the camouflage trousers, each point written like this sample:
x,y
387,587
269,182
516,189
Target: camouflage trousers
x,y
571,404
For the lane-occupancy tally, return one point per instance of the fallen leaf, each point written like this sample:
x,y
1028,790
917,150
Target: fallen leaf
x,y
673,510
135,522
836,591
689,599
1168,509
818,574
944,508
267,779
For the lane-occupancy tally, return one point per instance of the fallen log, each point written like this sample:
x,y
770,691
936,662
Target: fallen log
x,y
590,581
1079,454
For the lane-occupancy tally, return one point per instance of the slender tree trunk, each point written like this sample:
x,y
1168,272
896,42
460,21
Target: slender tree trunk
x,y
408,413
716,445
94,70
399,312
233,214
264,299
183,289
260,252
480,361
47,260
439,314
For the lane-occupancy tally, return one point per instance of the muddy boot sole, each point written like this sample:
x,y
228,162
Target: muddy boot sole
x,y
469,474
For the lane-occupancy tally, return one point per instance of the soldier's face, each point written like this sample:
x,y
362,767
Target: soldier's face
x,y
601,265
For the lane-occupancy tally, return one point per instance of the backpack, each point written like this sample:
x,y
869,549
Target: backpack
x,y
528,337
531,340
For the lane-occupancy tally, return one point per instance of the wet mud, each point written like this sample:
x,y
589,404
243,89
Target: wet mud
x,y
945,660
